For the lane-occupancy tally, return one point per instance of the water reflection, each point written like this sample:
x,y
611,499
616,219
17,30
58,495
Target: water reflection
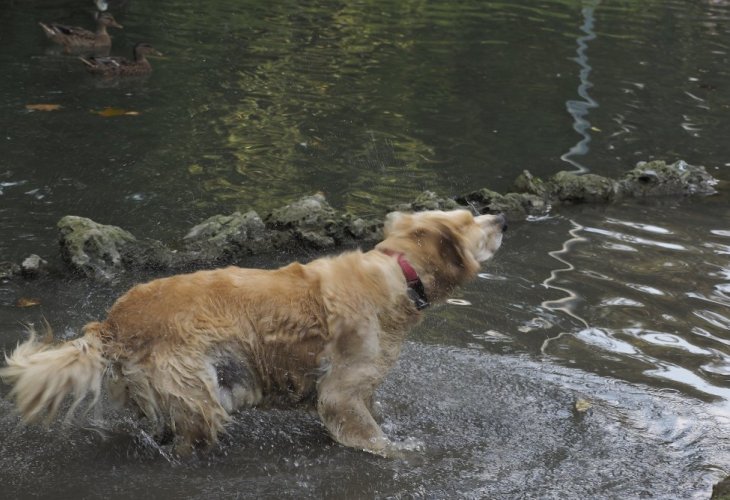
x,y
579,109
661,309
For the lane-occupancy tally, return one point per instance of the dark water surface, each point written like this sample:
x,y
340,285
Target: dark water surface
x,y
626,307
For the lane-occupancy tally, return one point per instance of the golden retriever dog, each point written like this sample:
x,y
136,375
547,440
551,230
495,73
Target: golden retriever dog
x,y
189,350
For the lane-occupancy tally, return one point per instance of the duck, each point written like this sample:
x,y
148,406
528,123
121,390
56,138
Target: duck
x,y
74,38
121,66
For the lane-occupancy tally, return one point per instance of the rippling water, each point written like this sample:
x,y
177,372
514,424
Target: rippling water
x,y
639,290
624,306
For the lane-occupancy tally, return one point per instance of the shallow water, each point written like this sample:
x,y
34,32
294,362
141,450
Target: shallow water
x,y
625,306
495,427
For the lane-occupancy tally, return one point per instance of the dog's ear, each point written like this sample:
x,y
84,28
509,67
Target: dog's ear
x,y
396,221
453,249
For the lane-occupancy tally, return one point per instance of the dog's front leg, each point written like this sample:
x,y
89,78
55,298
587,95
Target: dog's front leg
x,y
343,408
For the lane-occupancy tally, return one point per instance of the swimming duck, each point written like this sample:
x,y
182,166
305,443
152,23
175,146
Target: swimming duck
x,y
73,38
120,66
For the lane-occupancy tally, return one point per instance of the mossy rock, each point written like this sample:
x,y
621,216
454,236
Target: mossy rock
x,y
91,248
569,187
427,200
229,236
656,178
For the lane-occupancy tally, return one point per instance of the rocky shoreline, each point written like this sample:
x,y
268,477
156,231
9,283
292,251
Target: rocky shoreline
x,y
101,252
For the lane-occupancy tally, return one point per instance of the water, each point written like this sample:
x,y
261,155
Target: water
x,y
624,306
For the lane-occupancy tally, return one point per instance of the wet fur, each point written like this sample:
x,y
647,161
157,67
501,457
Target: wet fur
x,y
188,351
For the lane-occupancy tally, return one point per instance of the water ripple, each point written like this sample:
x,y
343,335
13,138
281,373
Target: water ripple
x,y
667,340
714,318
650,294
635,239
674,373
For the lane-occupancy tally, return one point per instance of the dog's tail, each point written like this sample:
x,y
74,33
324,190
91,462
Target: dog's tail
x,y
43,374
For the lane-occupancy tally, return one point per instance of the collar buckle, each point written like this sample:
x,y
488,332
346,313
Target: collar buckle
x,y
418,299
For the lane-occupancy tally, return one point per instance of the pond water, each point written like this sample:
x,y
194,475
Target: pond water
x,y
255,104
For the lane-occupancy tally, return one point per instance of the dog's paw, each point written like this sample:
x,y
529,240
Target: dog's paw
x,y
405,449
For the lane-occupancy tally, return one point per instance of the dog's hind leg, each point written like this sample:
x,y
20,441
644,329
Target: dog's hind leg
x,y
179,394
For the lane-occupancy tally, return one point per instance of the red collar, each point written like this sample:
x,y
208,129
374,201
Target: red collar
x,y
416,290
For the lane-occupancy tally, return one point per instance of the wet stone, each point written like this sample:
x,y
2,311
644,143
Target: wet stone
x,y
528,183
364,230
91,248
8,270
100,251
234,235
568,187
513,204
33,265
308,220
428,200
656,178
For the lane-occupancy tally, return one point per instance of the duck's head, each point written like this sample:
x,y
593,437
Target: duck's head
x,y
108,20
145,49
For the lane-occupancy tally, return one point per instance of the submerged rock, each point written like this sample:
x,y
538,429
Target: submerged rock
x,y
100,251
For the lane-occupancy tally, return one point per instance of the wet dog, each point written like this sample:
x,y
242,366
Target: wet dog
x,y
189,350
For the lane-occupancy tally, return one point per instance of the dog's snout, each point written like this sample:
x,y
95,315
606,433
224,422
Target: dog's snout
x,y
502,221
493,221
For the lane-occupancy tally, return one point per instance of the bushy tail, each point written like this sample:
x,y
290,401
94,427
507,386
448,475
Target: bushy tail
x,y
43,374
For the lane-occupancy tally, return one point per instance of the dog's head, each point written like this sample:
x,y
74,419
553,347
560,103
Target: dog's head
x,y
446,247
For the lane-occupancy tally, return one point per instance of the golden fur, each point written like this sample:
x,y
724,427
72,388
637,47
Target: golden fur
x,y
189,350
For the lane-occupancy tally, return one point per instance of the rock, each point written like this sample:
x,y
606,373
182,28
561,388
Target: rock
x,y
428,200
100,251
568,187
309,221
362,230
8,270
232,235
656,178
527,183
32,266
514,204
91,248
